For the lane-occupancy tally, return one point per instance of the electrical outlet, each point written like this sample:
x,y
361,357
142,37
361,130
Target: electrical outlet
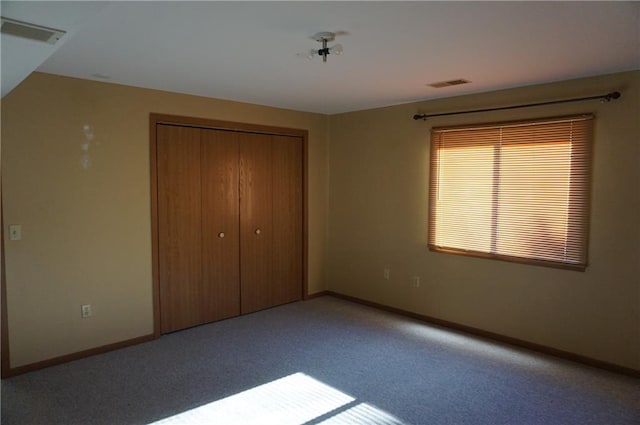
x,y
387,274
85,310
416,281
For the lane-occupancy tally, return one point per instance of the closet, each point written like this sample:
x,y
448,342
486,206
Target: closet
x,y
228,222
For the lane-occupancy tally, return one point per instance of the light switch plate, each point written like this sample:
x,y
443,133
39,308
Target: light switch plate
x,y
15,232
85,310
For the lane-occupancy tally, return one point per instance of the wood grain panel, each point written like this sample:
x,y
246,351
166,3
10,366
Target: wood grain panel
x,y
225,125
255,214
179,225
220,297
287,219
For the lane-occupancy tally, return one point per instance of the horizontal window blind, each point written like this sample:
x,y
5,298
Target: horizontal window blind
x,y
512,191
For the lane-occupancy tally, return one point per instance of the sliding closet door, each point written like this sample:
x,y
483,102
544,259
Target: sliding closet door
x,y
179,227
287,219
220,225
256,224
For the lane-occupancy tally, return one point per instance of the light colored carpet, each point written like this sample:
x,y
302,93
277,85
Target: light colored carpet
x,y
323,361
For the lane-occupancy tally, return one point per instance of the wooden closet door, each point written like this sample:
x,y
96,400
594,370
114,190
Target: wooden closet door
x,y
256,226
179,226
220,224
270,220
287,219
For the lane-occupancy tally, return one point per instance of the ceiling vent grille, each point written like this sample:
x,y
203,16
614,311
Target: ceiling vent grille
x,y
30,31
449,83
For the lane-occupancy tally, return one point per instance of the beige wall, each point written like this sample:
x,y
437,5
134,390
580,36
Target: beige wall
x,y
378,218
86,229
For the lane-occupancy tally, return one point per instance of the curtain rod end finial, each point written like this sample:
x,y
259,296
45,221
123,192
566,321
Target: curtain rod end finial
x,y
611,96
420,117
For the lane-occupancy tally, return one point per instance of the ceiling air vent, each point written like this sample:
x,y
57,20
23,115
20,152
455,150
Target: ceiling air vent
x,y
30,31
449,83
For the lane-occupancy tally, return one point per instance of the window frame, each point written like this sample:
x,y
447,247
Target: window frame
x,y
587,187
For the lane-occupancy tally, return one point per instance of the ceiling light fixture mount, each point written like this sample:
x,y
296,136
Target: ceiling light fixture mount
x,y
324,38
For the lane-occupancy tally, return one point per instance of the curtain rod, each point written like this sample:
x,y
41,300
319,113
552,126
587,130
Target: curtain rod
x,y
604,97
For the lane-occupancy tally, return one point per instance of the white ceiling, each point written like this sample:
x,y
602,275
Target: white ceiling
x,y
246,51
20,56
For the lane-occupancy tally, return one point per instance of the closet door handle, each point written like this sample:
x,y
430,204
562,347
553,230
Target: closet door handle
x,y
258,231
221,235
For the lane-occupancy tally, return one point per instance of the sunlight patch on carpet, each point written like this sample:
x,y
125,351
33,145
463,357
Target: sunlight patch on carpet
x,y
478,347
362,414
292,400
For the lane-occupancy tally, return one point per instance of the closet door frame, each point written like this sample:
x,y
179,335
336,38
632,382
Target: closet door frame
x,y
157,119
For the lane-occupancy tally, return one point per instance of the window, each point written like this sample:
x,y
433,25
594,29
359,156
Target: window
x,y
512,191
